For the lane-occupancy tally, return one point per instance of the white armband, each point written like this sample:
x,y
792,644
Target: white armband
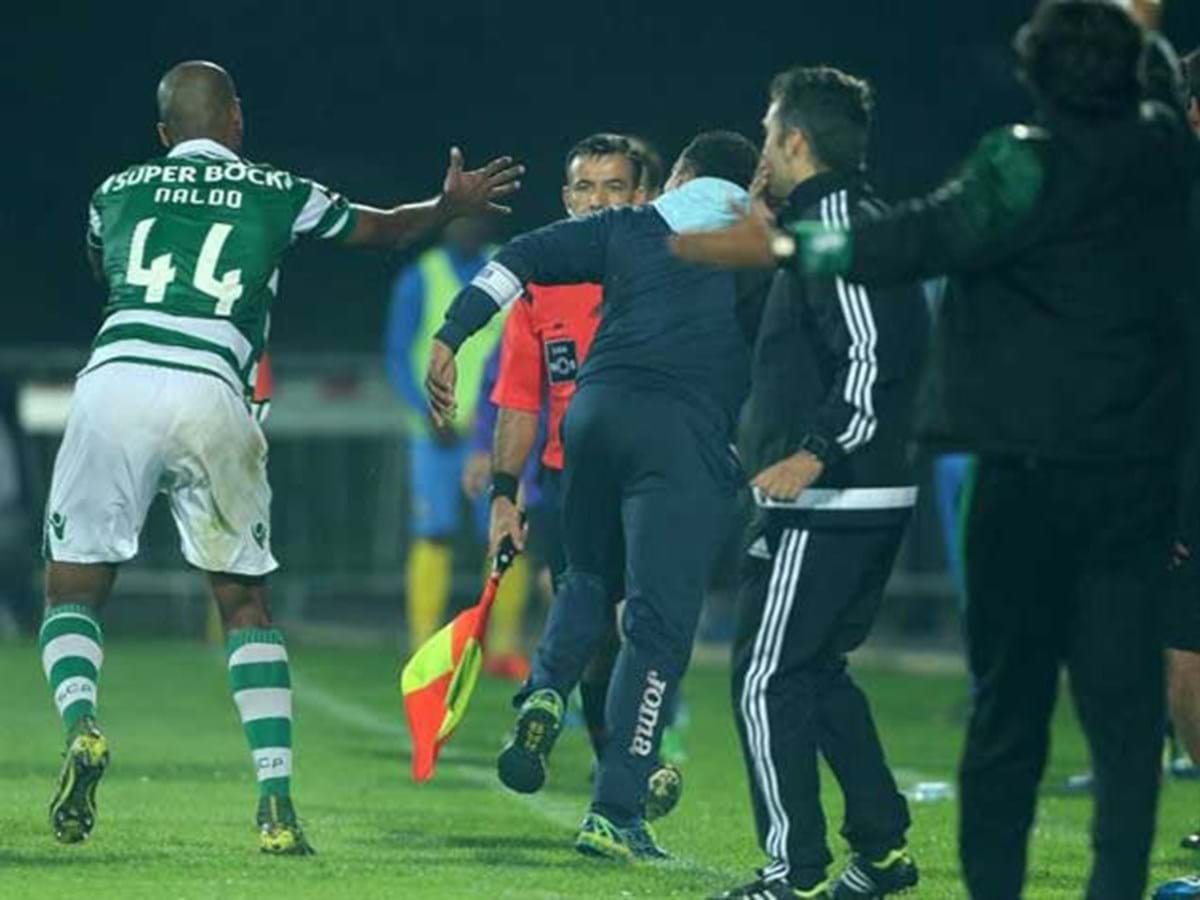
x,y
498,283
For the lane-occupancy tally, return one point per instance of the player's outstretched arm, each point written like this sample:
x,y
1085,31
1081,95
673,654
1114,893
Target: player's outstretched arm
x,y
464,193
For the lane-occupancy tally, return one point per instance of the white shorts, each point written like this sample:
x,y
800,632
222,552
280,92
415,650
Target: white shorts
x,y
135,430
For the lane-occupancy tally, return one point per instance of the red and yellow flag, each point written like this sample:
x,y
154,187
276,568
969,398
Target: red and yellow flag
x,y
439,678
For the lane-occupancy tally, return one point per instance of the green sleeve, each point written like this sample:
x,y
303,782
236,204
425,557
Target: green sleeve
x,y
321,214
95,225
972,220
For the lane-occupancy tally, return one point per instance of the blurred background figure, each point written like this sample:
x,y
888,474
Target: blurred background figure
x,y
19,610
951,480
421,294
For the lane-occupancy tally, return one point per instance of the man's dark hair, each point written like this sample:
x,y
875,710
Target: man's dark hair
x,y
1081,57
608,144
721,154
833,110
1191,75
654,172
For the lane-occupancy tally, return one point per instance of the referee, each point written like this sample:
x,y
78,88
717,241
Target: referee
x,y
1060,362
824,433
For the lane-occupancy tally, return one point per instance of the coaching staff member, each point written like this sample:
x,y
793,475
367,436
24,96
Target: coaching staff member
x,y
1061,365
825,434
649,476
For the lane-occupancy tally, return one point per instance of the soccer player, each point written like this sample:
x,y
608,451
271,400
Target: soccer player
x,y
1065,340
189,244
649,481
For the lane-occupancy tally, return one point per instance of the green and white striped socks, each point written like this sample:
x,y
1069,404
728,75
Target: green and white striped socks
x,y
70,641
262,690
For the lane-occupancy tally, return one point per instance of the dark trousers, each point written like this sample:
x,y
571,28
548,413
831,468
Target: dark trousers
x,y
801,611
647,494
1065,566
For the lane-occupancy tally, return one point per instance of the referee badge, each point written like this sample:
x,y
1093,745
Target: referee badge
x,y
562,362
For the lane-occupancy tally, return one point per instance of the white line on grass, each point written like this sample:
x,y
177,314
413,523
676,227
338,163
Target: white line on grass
x,y
557,810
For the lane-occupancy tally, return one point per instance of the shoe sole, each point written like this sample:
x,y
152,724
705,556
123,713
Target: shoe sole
x,y
665,791
522,764
73,809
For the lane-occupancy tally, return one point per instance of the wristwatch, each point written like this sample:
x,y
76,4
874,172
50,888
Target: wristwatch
x,y
817,446
783,247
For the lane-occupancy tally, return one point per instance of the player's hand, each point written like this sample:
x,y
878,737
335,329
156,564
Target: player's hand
x,y
476,474
788,478
505,522
744,245
760,184
440,380
472,193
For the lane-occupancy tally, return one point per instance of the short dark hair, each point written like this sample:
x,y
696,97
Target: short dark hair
x,y
833,110
1191,75
608,144
721,154
1081,57
653,171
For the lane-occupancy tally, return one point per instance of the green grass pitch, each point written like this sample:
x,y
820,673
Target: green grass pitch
x,y
177,806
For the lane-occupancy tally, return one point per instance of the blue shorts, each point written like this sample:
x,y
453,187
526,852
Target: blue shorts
x,y
437,494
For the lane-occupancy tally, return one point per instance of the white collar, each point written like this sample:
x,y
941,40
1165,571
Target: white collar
x,y
202,147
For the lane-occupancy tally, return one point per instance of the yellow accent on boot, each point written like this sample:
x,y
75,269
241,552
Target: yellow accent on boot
x,y
817,892
895,856
281,835
599,837
428,587
73,808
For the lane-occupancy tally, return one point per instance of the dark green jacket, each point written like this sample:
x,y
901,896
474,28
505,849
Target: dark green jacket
x,y
1063,333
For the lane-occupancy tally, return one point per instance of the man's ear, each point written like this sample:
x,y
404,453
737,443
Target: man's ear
x,y
566,198
796,142
164,136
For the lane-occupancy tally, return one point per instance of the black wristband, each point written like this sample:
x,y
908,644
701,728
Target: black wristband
x,y
818,447
504,485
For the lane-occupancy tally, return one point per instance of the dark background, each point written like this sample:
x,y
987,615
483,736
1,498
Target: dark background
x,y
368,96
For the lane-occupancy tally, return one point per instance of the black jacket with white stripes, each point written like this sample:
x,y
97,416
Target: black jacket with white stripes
x,y
835,372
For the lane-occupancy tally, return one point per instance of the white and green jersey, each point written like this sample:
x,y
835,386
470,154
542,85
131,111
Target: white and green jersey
x,y
191,244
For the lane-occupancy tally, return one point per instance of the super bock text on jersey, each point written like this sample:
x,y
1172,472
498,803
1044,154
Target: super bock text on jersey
x,y
191,245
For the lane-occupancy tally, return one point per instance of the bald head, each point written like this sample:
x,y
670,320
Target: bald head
x,y
198,100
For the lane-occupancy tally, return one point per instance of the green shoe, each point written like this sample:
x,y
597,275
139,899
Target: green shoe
x,y
663,792
73,809
599,837
522,762
279,831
